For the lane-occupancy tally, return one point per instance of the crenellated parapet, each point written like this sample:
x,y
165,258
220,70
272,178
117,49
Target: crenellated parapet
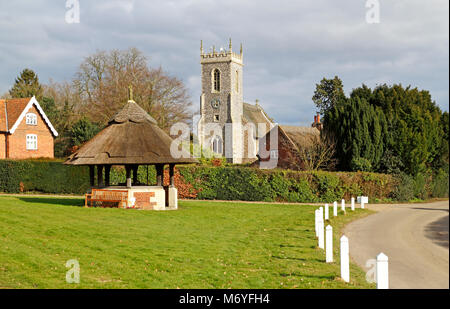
x,y
220,56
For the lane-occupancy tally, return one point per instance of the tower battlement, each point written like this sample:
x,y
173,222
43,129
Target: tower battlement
x,y
220,56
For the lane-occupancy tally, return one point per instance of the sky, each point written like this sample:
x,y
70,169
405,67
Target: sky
x,y
289,46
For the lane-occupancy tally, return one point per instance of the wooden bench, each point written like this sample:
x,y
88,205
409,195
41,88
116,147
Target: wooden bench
x,y
106,198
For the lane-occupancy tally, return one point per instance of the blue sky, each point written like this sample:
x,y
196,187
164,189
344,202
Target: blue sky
x,y
289,46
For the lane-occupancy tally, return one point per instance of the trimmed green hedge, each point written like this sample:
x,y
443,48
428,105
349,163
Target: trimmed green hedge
x,y
42,176
231,183
238,183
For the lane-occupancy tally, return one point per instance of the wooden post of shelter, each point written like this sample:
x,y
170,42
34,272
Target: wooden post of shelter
x,y
107,175
92,175
159,174
172,174
100,175
128,175
135,174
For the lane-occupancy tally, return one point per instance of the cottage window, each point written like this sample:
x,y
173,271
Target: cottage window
x,y
216,79
217,145
31,119
32,142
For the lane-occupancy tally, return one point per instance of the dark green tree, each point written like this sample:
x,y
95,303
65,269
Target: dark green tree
x,y
412,129
82,131
328,93
26,85
359,130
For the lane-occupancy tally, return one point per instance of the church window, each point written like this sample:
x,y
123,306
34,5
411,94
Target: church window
x,y
237,81
216,118
274,154
216,79
217,145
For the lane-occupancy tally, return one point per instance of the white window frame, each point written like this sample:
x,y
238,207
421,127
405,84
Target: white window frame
x,y
32,142
31,119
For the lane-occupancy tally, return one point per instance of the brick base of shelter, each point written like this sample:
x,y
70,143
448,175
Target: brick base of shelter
x,y
147,197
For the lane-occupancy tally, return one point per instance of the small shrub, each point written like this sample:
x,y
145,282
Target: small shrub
x,y
360,164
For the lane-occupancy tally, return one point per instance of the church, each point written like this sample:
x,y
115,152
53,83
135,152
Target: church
x,y
239,131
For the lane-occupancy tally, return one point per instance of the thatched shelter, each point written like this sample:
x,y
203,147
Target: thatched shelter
x,y
131,138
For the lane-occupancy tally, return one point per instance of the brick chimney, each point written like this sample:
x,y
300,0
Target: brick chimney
x,y
316,123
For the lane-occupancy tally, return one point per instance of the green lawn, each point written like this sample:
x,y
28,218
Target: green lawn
x,y
201,245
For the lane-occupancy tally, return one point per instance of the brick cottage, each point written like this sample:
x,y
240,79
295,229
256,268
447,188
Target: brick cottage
x,y
25,131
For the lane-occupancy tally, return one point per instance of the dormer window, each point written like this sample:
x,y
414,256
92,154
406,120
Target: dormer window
x,y
31,119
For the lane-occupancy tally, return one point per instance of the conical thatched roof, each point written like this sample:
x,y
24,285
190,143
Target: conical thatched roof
x,y
131,137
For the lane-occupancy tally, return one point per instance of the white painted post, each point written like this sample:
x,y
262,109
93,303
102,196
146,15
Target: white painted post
x,y
345,260
329,244
327,212
335,209
382,271
316,222
321,213
353,204
321,234
362,204
343,205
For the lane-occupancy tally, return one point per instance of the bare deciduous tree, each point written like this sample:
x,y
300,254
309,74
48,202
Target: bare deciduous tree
x,y
103,79
318,153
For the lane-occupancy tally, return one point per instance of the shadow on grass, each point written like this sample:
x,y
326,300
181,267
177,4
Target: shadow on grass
x,y
296,258
296,274
55,201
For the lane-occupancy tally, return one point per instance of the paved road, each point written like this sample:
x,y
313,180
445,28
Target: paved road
x,y
413,236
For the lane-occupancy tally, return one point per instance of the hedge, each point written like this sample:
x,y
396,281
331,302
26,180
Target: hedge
x,y
42,176
251,184
231,182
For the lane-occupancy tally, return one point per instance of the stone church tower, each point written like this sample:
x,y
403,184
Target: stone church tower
x,y
221,102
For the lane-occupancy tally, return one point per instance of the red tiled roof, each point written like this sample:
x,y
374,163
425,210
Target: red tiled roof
x,y
14,107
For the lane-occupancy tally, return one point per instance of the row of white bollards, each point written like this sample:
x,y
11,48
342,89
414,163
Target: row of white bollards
x,y
325,241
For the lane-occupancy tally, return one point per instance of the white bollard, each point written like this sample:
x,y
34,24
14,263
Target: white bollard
x,y
316,219
353,204
343,205
329,244
345,261
382,272
335,209
321,234
327,212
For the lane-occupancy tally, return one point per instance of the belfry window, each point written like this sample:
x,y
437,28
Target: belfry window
x,y
216,78
237,81
217,145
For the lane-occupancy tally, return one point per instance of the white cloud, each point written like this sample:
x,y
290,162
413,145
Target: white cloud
x,y
289,45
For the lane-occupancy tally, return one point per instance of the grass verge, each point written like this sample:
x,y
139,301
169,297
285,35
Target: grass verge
x,y
201,245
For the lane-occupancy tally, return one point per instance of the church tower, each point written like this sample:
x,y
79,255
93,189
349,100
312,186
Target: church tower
x,y
221,102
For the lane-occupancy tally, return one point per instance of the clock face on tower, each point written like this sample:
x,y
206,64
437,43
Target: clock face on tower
x,y
215,103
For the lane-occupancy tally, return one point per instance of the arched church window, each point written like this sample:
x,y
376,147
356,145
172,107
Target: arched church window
x,y
217,145
216,78
237,81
